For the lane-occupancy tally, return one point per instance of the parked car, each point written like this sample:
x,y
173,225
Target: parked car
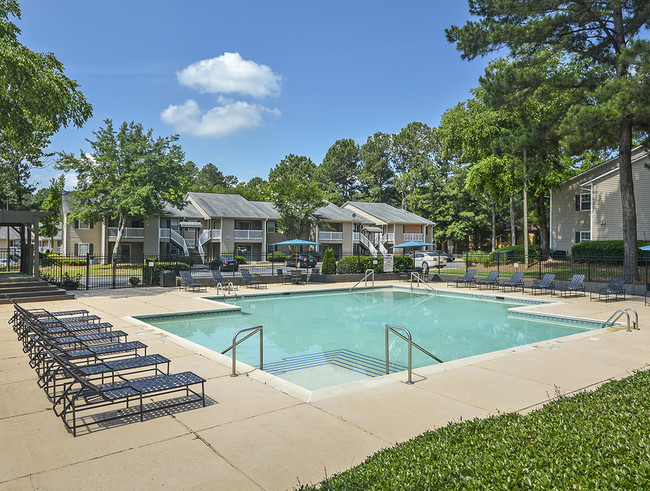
x,y
429,259
225,263
303,260
450,257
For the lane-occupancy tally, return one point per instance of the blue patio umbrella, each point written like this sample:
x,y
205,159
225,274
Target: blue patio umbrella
x,y
645,248
296,242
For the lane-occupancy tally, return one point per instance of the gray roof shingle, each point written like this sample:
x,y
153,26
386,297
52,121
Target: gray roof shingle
x,y
387,213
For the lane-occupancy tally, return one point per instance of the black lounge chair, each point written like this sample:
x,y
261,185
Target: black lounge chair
x,y
574,287
248,279
490,281
218,279
615,288
517,281
285,278
468,279
314,275
188,282
546,284
296,277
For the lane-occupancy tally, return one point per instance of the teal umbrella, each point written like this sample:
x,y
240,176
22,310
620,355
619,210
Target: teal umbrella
x,y
296,242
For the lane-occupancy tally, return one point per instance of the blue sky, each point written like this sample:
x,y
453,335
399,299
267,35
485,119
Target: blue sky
x,y
246,83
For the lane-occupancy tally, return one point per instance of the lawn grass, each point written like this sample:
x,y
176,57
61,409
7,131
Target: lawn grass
x,y
593,440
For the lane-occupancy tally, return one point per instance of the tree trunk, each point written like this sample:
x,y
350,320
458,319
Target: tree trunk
x,y
513,230
494,227
121,225
525,213
628,204
543,224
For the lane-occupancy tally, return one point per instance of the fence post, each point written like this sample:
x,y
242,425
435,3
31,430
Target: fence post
x,y
466,260
113,270
589,268
539,276
87,268
498,256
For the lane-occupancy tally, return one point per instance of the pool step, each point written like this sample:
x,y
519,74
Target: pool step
x,y
350,360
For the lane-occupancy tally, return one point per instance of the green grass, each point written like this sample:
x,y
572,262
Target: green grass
x,y
596,440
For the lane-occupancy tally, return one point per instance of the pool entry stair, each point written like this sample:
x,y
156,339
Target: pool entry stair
x,y
343,358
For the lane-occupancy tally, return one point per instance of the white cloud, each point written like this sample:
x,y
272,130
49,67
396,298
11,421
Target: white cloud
x,y
226,118
70,180
229,73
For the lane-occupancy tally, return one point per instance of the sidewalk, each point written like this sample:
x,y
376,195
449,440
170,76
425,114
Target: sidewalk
x,y
253,436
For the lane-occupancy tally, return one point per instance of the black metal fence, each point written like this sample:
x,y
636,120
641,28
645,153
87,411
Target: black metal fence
x,y
98,272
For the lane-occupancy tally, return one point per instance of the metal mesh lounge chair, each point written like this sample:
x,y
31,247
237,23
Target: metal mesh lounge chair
x,y
188,282
615,288
248,279
574,287
468,279
546,284
517,281
490,281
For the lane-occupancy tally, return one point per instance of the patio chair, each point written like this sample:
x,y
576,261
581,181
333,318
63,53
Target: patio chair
x,y
546,284
314,275
574,287
517,281
188,282
285,278
296,277
218,279
490,281
468,279
249,280
615,288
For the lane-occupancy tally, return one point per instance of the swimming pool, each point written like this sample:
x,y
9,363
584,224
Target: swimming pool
x,y
322,339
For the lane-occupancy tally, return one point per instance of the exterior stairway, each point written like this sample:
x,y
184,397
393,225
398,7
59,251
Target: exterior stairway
x,y
22,288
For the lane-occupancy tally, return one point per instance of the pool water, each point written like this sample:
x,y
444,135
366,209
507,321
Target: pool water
x,y
324,339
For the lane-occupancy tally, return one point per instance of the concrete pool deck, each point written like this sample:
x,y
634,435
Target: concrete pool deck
x,y
254,436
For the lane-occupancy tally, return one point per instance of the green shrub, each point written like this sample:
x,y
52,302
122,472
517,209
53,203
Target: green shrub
x,y
477,257
316,255
516,253
402,263
67,282
151,274
134,280
240,259
329,262
277,257
359,264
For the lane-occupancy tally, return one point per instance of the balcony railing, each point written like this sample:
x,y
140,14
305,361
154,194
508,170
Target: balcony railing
x,y
129,232
210,234
248,234
418,237
327,236
387,238
164,233
355,236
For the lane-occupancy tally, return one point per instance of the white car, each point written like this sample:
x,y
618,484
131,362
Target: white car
x,y
428,260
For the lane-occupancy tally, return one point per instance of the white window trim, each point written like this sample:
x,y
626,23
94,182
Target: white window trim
x,y
82,244
585,235
83,225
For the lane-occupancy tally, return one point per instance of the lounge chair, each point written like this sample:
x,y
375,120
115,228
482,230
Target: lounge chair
x,y
286,278
296,277
546,284
218,279
490,281
517,281
468,279
249,280
188,282
314,275
615,288
574,287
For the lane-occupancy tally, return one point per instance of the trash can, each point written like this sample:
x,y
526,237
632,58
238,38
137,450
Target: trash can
x,y
168,278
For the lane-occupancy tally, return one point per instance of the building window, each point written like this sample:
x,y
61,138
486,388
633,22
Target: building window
x,y
583,235
270,227
84,225
83,249
242,225
583,202
270,249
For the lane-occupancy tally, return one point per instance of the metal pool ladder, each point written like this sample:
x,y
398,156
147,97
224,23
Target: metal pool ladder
x,y
368,273
409,339
415,277
233,347
614,317
231,289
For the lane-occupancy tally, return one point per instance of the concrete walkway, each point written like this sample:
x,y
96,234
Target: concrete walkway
x,y
252,435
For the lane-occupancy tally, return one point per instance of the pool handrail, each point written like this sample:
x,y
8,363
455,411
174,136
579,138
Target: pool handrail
x,y
613,318
416,276
233,347
409,339
369,272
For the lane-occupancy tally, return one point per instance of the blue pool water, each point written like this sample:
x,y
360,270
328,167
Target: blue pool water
x,y
323,339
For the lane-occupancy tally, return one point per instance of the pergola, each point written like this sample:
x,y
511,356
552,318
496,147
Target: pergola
x,y
26,223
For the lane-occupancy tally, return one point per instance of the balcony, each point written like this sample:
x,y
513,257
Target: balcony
x,y
409,237
249,234
129,233
326,236
210,234
355,236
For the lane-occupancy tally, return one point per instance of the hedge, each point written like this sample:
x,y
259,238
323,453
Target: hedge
x,y
611,251
402,263
359,264
276,257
